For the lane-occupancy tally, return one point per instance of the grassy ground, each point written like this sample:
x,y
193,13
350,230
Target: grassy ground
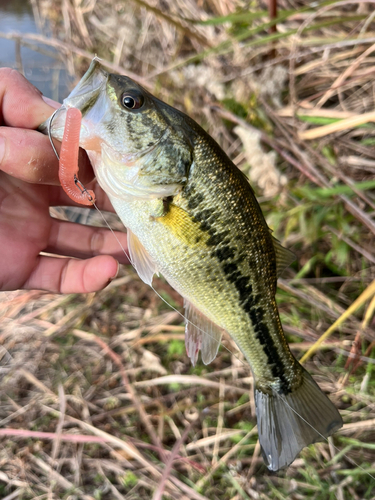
x,y
106,375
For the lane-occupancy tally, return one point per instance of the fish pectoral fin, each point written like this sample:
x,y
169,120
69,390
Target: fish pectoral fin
x,y
200,333
140,259
284,257
289,422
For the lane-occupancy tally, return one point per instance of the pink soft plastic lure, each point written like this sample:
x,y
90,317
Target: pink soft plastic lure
x,y
68,164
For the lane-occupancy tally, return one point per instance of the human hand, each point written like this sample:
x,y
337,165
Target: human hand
x,y
29,186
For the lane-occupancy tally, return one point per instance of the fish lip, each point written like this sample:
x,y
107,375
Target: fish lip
x,y
89,87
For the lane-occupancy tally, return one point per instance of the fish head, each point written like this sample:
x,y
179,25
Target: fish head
x,y
138,145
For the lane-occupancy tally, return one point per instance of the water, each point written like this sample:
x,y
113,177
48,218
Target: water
x,y
47,73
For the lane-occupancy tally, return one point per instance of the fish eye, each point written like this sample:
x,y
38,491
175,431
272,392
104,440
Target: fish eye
x,y
132,100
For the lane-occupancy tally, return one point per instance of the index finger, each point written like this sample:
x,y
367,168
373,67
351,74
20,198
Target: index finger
x,y
21,104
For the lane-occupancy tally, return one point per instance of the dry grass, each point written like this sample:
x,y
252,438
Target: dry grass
x,y
99,387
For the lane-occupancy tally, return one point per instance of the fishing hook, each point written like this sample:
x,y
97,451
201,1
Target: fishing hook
x,y
49,129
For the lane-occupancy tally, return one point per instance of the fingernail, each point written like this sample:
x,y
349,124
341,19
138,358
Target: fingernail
x,y
2,149
115,276
51,102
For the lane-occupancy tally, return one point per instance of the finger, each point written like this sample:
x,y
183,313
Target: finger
x,y
76,240
28,155
72,276
21,104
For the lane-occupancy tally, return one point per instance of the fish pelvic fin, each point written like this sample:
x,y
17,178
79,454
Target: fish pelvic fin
x,y
287,423
141,259
200,334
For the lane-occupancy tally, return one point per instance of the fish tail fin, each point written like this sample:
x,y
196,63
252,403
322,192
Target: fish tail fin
x,y
289,422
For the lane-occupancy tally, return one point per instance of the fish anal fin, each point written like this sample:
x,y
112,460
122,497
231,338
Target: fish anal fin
x,y
284,257
200,333
140,258
287,423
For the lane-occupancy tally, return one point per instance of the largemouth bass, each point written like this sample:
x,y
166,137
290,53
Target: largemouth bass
x,y
192,216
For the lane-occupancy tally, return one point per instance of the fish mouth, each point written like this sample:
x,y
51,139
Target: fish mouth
x,y
88,88
84,96
90,96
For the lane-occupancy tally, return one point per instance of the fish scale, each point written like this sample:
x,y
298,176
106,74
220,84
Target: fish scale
x,y
192,216
236,262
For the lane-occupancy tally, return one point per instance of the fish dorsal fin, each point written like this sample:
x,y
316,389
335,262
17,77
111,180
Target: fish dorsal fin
x,y
200,333
284,257
141,260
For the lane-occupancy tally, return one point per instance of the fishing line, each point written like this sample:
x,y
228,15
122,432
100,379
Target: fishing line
x,y
321,435
352,461
83,189
157,293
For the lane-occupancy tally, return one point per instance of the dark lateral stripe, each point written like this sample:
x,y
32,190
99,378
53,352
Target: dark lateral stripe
x,y
230,268
214,240
263,335
224,252
249,302
203,215
195,201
